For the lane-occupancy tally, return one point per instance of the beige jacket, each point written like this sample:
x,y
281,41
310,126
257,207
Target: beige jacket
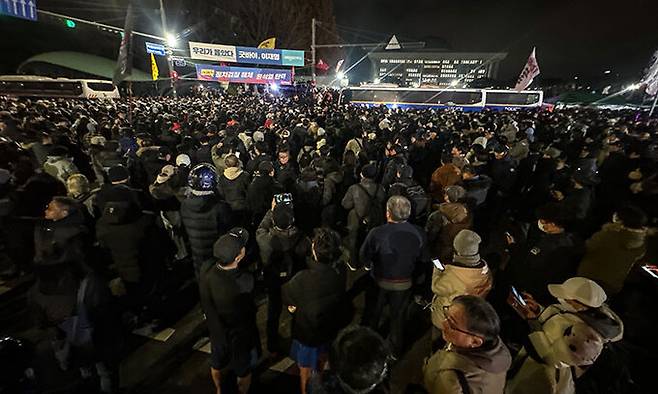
x,y
455,281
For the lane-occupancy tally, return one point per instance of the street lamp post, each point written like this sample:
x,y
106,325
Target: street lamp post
x,y
170,64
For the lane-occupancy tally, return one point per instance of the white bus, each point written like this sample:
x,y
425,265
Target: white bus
x,y
37,86
434,97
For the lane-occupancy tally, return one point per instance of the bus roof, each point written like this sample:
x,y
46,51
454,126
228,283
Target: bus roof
x,y
40,78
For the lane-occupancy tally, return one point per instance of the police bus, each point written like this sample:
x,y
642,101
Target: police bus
x,y
464,99
37,86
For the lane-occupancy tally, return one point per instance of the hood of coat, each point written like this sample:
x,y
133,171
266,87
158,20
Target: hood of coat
x,y
629,238
232,173
454,212
494,358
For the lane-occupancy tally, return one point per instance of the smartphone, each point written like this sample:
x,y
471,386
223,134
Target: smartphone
x,y
438,265
283,198
651,270
518,296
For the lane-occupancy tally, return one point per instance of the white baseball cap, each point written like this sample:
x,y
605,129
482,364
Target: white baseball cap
x,y
583,290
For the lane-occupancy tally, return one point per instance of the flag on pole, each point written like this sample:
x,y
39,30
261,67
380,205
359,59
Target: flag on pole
x,y
125,60
270,43
530,71
650,79
321,65
154,68
339,65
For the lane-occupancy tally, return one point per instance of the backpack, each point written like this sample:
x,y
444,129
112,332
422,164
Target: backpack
x,y
376,214
420,201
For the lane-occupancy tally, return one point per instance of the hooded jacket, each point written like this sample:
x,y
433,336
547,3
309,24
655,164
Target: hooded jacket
x,y
443,225
611,254
458,279
481,370
233,187
60,167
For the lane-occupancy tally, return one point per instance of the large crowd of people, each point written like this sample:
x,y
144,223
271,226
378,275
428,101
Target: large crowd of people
x,y
518,236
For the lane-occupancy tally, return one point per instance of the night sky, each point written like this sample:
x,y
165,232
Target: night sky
x,y
573,37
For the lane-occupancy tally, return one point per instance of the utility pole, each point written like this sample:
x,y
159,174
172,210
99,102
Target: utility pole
x,y
170,63
312,49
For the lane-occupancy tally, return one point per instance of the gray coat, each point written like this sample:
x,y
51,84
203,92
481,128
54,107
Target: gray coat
x,y
357,202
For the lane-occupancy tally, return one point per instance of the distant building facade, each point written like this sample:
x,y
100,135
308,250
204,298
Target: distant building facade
x,y
432,67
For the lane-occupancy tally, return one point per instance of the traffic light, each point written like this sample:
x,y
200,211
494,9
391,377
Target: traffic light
x,y
69,23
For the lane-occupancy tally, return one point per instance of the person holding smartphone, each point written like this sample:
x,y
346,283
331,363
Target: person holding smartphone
x,y
466,274
565,339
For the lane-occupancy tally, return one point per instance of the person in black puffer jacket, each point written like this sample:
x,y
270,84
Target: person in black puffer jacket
x,y
316,298
205,216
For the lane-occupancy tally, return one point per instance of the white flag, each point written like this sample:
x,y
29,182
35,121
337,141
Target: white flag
x,y
651,77
339,65
530,71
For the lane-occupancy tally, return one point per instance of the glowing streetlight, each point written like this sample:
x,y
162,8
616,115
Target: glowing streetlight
x,y
172,41
377,81
607,72
454,83
340,74
274,87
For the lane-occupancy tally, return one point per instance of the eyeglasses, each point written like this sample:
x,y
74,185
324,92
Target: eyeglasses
x,y
452,324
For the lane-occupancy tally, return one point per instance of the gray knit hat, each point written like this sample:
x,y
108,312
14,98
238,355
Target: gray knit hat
x,y
467,244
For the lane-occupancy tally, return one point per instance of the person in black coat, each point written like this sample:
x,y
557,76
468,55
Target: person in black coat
x,y
262,189
285,169
205,216
119,189
315,297
232,185
227,301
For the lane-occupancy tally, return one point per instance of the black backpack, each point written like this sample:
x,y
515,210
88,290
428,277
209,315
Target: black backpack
x,y
420,201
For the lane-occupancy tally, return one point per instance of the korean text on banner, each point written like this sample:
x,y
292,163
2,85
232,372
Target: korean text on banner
x,y
215,52
233,54
208,72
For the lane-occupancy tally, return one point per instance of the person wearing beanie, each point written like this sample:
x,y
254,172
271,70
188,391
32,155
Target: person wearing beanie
x,y
464,274
358,201
120,191
277,238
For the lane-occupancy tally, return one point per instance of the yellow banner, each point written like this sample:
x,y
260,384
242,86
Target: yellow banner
x,y
270,43
154,68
